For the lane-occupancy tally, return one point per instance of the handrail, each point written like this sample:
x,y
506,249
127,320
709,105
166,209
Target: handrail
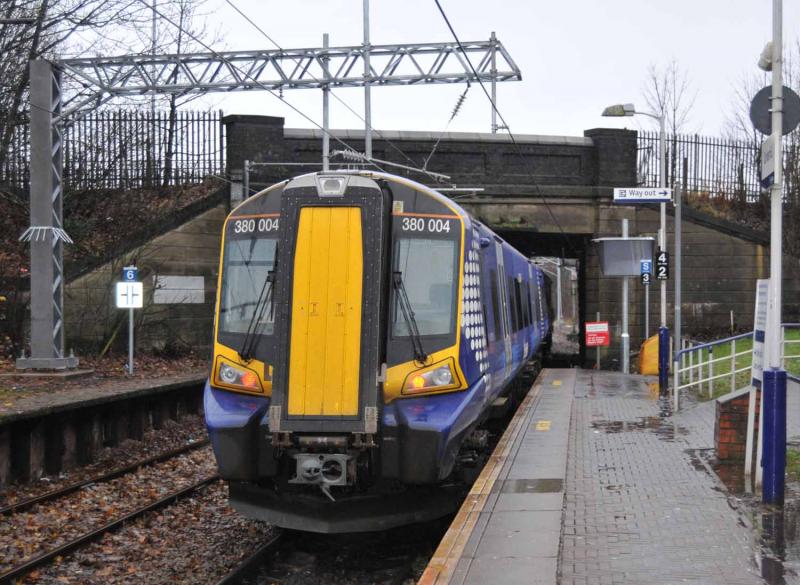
x,y
694,365
710,344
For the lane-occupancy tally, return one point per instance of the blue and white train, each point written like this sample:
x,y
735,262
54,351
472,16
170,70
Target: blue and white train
x,y
365,325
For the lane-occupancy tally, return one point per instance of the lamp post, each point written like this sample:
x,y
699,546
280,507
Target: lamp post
x,y
627,110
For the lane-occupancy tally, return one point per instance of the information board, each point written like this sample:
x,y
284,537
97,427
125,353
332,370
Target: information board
x,y
130,295
597,333
760,332
662,265
646,271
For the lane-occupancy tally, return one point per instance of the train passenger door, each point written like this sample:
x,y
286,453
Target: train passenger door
x,y
502,280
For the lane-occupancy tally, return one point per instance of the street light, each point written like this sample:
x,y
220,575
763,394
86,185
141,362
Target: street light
x,y
626,110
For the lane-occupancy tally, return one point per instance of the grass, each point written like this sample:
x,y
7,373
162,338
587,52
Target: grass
x,y
793,464
722,385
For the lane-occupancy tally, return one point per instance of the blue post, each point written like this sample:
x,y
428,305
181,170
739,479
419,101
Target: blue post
x,y
663,360
773,458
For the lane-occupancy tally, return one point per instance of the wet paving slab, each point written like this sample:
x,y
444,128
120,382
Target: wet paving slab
x,y
642,505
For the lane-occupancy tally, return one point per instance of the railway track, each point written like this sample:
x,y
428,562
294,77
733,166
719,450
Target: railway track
x,y
67,547
42,558
28,503
250,565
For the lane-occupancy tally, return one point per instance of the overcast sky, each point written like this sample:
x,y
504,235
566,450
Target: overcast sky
x,y
575,57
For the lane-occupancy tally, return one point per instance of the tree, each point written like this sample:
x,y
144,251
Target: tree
x,y
668,93
65,28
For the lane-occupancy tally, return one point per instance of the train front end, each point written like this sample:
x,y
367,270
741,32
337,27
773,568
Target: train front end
x,y
340,390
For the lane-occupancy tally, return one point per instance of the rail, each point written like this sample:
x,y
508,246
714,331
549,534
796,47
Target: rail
x,y
695,366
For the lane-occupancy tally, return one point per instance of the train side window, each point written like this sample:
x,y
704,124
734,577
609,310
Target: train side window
x,y
518,303
512,297
495,302
526,314
531,306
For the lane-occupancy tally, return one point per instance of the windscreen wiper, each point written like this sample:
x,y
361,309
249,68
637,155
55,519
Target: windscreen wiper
x,y
264,300
408,315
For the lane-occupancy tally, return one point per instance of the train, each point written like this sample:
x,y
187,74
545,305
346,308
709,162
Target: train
x,y
366,327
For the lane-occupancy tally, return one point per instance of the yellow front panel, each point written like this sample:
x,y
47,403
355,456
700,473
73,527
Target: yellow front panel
x,y
326,312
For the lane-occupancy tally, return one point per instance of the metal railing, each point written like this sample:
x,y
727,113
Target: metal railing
x,y
716,166
696,363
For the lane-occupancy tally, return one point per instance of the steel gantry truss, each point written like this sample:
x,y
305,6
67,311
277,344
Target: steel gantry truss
x,y
99,79
405,64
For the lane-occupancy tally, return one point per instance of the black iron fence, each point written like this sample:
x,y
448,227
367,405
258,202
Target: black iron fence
x,y
717,167
128,149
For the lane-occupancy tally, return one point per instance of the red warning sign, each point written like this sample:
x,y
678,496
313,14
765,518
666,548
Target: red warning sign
x,y
597,333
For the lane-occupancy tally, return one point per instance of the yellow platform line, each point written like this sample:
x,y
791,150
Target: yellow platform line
x,y
443,563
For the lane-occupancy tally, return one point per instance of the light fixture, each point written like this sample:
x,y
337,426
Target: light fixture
x,y
619,110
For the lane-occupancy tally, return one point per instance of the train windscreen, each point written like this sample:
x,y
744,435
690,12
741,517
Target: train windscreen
x,y
428,269
245,286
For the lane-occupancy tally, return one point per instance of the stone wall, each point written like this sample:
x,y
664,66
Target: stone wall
x,y
172,317
489,161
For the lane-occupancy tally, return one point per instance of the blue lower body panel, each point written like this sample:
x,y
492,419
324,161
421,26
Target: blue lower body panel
x,y
419,438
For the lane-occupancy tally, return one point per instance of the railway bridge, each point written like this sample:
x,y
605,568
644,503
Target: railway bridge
x,y
550,196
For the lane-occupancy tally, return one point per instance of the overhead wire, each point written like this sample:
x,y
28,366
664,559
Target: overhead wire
x,y
506,126
335,96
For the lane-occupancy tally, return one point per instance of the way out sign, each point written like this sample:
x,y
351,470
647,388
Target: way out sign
x,y
629,195
597,333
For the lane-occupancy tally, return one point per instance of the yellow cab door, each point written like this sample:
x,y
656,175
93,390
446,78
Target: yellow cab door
x,y
326,305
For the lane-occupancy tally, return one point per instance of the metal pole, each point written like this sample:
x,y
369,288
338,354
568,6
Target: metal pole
x,y
493,39
646,311
367,97
326,139
246,179
597,358
130,341
153,100
153,53
710,371
678,258
559,312
625,336
773,398
662,179
46,228
776,218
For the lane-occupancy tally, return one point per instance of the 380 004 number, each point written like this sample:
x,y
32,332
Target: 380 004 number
x,y
420,224
264,224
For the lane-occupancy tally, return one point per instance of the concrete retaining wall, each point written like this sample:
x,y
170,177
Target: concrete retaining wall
x,y
190,250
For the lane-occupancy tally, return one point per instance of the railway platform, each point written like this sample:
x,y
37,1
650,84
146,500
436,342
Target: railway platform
x,y
53,430
596,481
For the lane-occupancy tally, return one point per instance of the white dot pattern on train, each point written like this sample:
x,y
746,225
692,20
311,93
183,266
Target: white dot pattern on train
x,y
471,308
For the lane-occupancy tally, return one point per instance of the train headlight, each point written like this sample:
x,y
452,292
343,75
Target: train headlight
x,y
232,376
437,377
442,376
331,186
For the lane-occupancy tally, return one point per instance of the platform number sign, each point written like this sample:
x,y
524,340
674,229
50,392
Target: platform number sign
x,y
130,274
662,265
646,271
